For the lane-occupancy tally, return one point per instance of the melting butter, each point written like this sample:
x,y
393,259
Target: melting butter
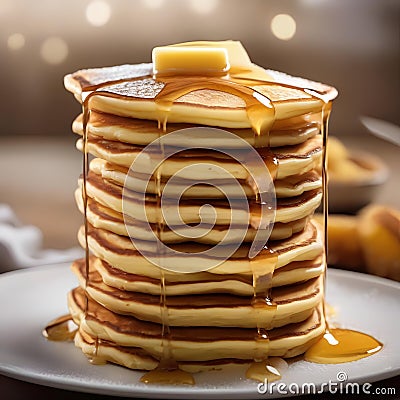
x,y
236,53
191,60
207,58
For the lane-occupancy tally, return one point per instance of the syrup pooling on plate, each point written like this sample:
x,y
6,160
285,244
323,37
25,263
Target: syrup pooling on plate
x,y
267,371
60,329
165,375
342,345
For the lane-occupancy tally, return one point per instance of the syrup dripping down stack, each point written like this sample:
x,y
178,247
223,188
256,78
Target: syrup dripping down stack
x,y
133,313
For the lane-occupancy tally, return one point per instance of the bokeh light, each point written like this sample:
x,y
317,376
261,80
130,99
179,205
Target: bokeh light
x,y
153,4
54,50
98,12
16,41
283,26
204,6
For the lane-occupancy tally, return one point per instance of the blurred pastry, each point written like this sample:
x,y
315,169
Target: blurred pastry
x,y
344,245
367,242
341,164
379,233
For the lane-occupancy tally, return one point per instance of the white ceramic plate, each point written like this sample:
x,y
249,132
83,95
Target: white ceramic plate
x,y
31,298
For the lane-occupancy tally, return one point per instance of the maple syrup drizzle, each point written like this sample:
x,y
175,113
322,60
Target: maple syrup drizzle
x,y
258,106
95,358
325,113
167,371
86,96
336,345
263,272
59,323
260,369
85,171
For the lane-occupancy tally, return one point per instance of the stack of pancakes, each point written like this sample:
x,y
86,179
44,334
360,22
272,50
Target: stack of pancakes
x,y
128,309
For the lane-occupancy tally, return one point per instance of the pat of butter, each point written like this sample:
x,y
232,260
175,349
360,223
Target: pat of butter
x,y
207,58
237,55
190,60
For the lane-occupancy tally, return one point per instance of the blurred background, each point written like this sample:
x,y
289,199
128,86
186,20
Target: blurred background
x,y
352,45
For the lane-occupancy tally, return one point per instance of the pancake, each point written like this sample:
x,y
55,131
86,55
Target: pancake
x,y
291,160
223,107
290,304
86,79
289,187
100,216
138,359
119,252
222,213
203,106
206,282
192,343
143,132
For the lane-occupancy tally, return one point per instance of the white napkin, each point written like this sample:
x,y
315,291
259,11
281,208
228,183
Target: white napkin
x,y
21,245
